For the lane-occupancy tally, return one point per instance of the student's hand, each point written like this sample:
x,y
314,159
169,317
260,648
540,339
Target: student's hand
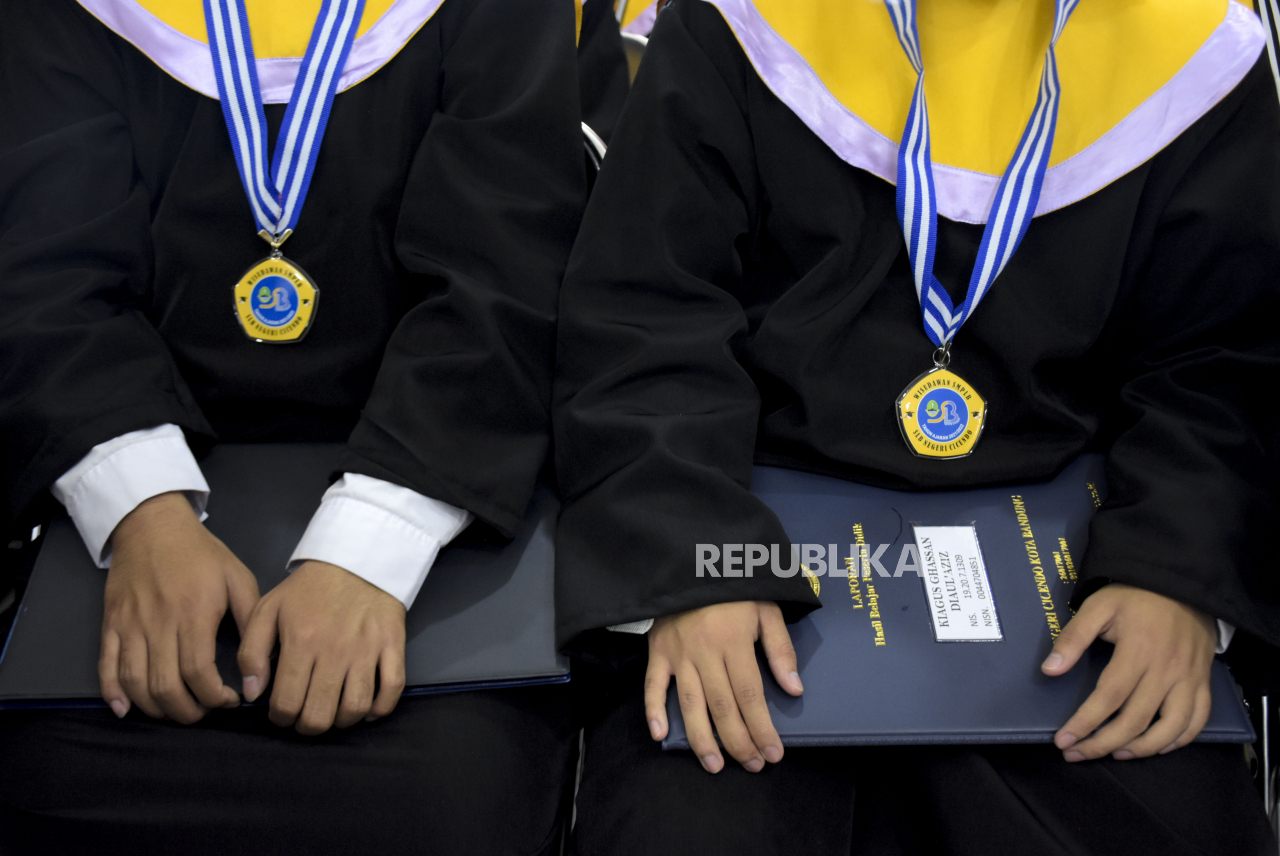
x,y
171,582
1163,653
711,653
336,633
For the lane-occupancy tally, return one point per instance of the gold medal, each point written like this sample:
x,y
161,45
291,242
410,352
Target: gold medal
x,y
940,415
275,300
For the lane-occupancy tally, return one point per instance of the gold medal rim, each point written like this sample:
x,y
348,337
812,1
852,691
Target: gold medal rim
x,y
306,311
902,422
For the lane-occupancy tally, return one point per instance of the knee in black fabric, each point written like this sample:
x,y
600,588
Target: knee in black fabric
x,y
459,773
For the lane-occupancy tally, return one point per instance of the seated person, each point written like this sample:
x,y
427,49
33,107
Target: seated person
x,y
443,197
761,273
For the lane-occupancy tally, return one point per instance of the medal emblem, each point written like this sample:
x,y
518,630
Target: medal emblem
x,y
275,301
940,415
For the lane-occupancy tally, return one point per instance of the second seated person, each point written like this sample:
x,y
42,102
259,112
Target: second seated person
x,y
420,164
791,227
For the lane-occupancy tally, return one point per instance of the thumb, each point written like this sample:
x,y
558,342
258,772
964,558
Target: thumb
x,y
657,678
256,642
1076,637
776,642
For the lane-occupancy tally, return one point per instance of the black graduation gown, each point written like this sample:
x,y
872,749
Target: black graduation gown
x,y
443,205
441,213
739,294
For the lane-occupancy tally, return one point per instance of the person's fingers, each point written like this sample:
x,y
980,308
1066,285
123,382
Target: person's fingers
x,y
164,678
390,682
1134,718
1175,716
257,639
657,678
323,694
357,694
748,689
197,650
1115,685
293,676
1200,710
134,669
776,642
109,674
1077,636
242,595
697,727
724,712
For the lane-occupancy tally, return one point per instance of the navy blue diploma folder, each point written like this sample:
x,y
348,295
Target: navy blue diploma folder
x,y
874,670
485,616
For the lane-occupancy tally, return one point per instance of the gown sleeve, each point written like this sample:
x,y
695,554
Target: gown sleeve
x,y
655,418
80,362
1197,370
459,409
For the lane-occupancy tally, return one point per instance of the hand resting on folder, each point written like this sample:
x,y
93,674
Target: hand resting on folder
x,y
711,653
1161,664
336,633
170,584
1163,653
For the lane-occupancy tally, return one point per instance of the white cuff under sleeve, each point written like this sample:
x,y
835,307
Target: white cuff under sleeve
x,y
639,627
383,533
1225,632
118,475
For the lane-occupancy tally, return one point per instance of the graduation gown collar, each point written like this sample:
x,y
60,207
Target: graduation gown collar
x,y
638,16
1134,77
172,34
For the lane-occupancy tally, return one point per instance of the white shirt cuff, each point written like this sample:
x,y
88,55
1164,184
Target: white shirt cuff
x,y
638,627
1225,632
383,533
118,475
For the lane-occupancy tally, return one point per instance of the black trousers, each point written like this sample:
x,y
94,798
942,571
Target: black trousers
x,y
463,773
893,801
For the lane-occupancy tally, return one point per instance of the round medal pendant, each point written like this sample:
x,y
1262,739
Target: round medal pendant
x,y
275,301
940,415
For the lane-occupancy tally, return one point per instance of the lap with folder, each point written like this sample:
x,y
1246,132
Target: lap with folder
x,y
802,256
232,228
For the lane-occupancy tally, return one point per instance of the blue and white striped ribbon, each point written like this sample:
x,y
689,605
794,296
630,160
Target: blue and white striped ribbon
x,y
1269,11
1016,197
276,197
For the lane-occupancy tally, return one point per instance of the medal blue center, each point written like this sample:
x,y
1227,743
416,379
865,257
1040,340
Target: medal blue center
x,y
274,301
943,415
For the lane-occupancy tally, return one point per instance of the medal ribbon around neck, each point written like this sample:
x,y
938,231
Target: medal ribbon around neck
x,y
275,301
277,197
1015,200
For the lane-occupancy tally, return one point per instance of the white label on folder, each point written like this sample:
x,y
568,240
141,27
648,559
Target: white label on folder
x,y
956,584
